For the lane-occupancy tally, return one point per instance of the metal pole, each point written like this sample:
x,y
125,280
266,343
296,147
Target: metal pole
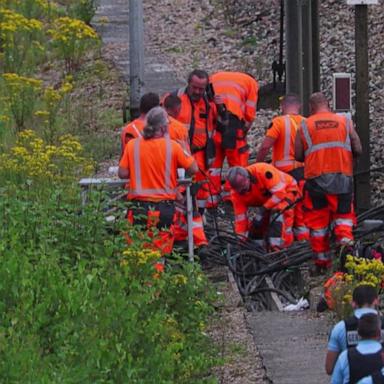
x,y
315,46
294,73
307,54
136,55
190,223
362,187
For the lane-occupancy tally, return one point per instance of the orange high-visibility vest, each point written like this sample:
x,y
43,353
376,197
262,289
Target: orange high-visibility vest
x,y
283,129
179,133
327,145
270,188
240,93
203,118
152,166
131,130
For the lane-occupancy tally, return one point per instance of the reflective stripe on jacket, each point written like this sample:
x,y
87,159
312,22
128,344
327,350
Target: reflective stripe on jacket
x,y
270,188
152,166
327,145
240,92
283,130
203,120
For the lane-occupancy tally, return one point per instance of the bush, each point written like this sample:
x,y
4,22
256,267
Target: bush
x,y
359,271
76,306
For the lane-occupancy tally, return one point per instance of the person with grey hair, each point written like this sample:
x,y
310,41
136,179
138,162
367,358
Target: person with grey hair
x,y
274,193
157,123
151,163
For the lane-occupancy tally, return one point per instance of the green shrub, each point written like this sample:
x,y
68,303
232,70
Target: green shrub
x,y
76,306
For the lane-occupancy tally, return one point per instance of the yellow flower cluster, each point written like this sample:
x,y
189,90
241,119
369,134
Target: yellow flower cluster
x,y
16,83
12,22
32,158
364,271
179,279
67,30
142,256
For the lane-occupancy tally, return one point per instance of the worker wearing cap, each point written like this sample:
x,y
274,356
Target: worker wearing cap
x,y
236,97
280,137
327,143
151,163
263,185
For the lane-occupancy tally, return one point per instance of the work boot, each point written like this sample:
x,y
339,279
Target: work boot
x,y
318,270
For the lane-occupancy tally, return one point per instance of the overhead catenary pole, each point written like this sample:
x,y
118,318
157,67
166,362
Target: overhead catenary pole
x,y
362,187
315,46
306,12
136,55
294,65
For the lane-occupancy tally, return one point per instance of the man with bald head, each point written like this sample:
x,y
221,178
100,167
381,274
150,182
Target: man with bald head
x,y
327,143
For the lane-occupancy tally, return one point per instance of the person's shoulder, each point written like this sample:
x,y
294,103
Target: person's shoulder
x,y
338,328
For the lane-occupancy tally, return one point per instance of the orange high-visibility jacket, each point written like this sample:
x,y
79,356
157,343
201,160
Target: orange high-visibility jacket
x,y
240,93
131,130
179,133
283,129
204,118
152,166
327,145
270,188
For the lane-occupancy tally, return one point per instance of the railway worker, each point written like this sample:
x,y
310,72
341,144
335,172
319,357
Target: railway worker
x,y
237,92
280,136
327,143
262,185
177,130
199,115
172,105
363,363
135,127
151,163
344,333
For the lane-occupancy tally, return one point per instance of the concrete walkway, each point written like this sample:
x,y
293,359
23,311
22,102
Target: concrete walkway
x,y
111,21
292,346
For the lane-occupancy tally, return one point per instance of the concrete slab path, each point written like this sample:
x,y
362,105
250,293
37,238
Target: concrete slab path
x,y
111,21
292,346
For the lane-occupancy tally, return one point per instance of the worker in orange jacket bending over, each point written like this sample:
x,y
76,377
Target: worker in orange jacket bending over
x,y
199,115
280,136
238,94
172,105
135,127
262,185
327,143
151,163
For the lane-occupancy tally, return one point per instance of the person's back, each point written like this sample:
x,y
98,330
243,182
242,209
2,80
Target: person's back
x,y
344,334
135,128
327,147
366,359
239,91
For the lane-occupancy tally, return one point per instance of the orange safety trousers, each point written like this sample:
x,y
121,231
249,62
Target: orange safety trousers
x,y
160,240
300,230
202,177
180,227
235,157
320,222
